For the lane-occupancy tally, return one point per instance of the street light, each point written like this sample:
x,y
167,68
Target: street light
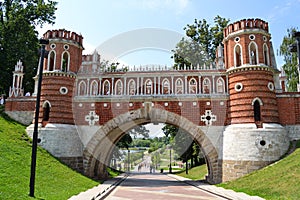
x,y
43,43
296,48
128,167
170,167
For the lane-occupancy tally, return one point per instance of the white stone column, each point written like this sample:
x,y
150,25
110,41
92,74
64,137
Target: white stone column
x,y
199,84
185,85
88,87
100,86
112,86
213,84
125,85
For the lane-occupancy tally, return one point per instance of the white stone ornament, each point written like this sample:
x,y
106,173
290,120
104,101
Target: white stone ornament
x,y
208,118
92,117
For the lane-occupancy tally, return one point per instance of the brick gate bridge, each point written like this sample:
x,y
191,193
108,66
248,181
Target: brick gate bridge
x,y
235,108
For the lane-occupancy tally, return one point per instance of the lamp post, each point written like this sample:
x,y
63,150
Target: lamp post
x,y
128,167
296,48
43,43
170,166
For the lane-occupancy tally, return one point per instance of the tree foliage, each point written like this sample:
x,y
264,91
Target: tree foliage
x,y
183,144
290,58
201,43
19,38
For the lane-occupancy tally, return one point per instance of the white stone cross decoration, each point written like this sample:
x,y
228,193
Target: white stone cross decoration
x,y
92,117
208,118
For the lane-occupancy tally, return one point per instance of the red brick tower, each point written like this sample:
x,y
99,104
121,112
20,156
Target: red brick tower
x,y
251,73
60,68
253,138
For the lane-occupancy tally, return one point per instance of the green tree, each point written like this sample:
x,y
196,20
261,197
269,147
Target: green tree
x,y
183,144
290,58
201,43
139,130
19,38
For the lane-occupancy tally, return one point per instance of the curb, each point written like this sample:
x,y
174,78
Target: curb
x,y
219,191
100,191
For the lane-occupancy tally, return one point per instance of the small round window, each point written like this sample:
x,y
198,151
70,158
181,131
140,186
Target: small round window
x,y
271,86
238,87
52,46
63,90
252,37
237,39
66,47
265,38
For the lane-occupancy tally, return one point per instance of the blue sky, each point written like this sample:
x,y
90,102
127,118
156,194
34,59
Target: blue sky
x,y
101,20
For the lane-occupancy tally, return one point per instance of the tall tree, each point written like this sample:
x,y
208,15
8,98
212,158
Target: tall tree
x,y
19,38
290,58
201,43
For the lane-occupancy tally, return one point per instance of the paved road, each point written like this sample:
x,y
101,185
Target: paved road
x,y
142,186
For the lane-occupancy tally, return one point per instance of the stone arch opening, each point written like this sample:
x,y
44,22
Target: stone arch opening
x,y
97,152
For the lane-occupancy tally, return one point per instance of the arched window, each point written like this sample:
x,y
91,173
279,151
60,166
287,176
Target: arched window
x,y
82,88
256,111
253,53
131,87
220,85
179,86
266,55
106,87
238,56
192,86
65,61
166,86
46,111
148,87
94,88
257,103
51,60
206,86
119,87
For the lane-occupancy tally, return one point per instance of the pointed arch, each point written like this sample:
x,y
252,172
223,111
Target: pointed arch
x,y
178,86
131,87
266,54
118,87
193,86
81,88
94,88
206,86
65,61
51,60
220,85
106,87
97,153
257,103
166,86
253,53
238,55
148,86
46,110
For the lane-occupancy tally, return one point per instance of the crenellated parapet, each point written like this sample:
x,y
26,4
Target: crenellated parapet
x,y
246,24
63,34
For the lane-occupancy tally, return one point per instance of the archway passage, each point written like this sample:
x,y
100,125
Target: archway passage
x,y
97,154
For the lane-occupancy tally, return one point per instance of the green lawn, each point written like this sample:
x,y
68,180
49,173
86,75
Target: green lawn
x,y
53,179
278,181
196,173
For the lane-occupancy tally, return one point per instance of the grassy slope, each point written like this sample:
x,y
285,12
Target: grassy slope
x,y
196,173
278,181
53,180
